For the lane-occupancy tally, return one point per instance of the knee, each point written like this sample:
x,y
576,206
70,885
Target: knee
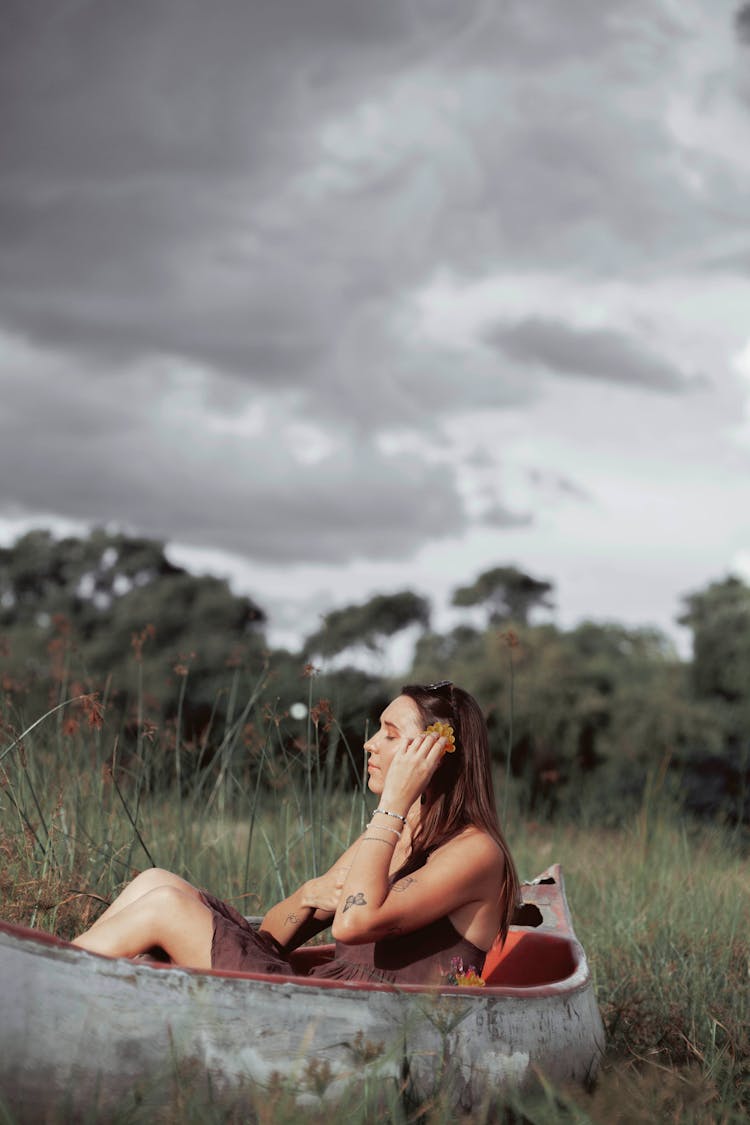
x,y
172,919
154,877
165,901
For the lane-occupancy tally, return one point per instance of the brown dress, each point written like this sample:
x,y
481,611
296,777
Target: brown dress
x,y
424,956
238,947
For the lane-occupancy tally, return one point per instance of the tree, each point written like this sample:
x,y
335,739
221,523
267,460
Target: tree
x,y
507,593
588,713
85,599
369,623
719,618
80,578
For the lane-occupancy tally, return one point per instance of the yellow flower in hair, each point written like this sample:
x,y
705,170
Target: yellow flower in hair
x,y
444,730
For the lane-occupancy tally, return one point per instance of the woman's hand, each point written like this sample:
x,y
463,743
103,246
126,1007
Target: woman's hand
x,y
410,770
324,892
299,916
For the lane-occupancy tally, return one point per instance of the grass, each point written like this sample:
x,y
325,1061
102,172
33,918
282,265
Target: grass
x,y
664,916
661,906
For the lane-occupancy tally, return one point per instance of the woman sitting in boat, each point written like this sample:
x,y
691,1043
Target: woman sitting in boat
x,y
429,884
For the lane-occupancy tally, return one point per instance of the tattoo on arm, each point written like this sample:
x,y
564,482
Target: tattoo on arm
x,y
394,930
354,900
402,885
291,919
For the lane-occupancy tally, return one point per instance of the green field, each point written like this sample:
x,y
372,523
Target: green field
x,y
661,905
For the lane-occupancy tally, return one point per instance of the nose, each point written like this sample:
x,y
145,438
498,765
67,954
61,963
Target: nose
x,y
370,746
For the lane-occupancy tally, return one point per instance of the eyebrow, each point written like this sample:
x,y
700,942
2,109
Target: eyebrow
x,y
388,723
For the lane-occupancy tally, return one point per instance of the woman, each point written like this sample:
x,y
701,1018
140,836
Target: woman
x,y
429,883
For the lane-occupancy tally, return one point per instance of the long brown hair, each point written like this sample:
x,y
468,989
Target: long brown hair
x,y
461,792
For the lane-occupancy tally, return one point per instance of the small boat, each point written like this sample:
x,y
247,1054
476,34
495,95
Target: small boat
x,y
96,1034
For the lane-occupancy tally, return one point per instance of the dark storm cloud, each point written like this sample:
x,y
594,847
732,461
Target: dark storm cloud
x,y
158,192
261,192
138,147
602,354
742,23
123,454
352,510
105,89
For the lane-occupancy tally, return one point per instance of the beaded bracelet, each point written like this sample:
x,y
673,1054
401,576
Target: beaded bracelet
x,y
387,812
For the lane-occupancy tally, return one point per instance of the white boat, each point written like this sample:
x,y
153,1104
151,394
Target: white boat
x,y
97,1034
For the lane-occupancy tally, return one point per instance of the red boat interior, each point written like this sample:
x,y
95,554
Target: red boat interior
x,y
529,959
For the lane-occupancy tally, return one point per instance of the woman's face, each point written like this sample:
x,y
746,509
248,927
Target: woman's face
x,y
400,722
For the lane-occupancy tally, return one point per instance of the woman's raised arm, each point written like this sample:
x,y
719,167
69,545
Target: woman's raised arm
x,y
466,870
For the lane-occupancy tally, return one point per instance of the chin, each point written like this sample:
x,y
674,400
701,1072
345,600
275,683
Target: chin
x,y
375,784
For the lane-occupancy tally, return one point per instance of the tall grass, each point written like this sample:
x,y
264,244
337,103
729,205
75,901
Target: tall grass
x,y
661,906
252,818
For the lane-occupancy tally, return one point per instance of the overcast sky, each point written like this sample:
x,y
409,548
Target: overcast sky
x,y
345,296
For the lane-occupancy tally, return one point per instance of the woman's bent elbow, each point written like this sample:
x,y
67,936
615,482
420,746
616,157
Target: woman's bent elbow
x,y
340,930
354,931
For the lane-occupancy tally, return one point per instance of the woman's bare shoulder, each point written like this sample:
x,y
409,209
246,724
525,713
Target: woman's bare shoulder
x,y
477,846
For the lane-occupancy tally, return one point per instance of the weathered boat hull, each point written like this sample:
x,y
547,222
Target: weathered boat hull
x,y
89,1031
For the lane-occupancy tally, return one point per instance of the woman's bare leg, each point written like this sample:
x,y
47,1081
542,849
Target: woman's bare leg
x,y
143,884
166,916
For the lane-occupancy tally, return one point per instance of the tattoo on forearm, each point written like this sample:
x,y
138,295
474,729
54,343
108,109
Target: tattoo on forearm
x,y
354,900
395,930
402,885
291,919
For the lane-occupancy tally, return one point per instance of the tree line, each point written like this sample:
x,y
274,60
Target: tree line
x,y
598,713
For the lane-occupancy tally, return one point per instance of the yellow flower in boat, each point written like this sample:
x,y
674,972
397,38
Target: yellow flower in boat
x,y
444,730
471,979
465,978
